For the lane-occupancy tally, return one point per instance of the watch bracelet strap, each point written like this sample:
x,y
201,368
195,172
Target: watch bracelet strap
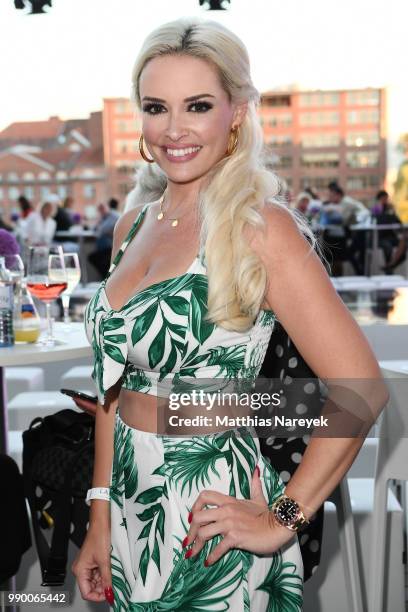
x,y
301,522
97,493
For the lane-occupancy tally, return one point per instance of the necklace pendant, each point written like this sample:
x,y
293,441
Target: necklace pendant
x,y
160,216
174,223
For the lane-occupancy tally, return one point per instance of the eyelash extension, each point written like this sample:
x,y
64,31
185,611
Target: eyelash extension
x,y
149,107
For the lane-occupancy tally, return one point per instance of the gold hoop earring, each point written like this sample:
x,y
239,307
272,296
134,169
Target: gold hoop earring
x,y
233,141
142,153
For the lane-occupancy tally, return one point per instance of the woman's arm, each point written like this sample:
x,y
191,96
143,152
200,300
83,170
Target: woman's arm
x,y
303,298
105,415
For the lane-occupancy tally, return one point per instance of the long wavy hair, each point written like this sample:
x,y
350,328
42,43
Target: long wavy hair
x,y
237,187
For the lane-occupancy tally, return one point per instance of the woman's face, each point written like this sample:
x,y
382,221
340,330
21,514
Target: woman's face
x,y
187,116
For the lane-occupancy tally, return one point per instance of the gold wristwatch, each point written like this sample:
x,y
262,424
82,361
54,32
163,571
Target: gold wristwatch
x,y
287,513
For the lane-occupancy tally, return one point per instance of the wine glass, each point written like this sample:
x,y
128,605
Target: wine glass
x,y
73,270
15,266
46,280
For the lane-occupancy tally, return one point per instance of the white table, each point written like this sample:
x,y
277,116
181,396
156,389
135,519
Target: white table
x,y
398,366
74,345
80,236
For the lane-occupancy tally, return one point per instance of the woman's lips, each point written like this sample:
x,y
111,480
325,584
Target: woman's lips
x,y
181,154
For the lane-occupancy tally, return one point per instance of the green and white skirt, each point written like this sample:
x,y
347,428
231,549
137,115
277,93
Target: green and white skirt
x,y
155,481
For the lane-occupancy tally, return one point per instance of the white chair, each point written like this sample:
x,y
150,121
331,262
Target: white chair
x,y
364,464
327,588
23,408
79,378
22,379
391,464
348,546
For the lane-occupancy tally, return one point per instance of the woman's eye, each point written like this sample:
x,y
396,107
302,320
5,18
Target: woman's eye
x,y
200,107
152,109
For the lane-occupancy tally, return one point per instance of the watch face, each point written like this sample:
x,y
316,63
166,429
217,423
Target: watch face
x,y
287,511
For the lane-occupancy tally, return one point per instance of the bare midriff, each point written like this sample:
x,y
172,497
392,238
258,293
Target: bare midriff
x,y
151,414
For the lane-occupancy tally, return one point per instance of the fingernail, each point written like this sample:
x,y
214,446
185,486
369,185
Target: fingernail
x,y
185,541
109,595
190,517
188,554
206,563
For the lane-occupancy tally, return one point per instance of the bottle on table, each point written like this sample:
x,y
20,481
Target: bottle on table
x,y
6,306
27,323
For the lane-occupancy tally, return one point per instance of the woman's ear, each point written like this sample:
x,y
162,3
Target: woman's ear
x,y
239,113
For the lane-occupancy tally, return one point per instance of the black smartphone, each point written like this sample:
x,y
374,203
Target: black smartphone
x,y
80,395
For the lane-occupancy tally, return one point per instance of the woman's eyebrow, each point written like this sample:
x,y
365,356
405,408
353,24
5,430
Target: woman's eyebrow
x,y
190,99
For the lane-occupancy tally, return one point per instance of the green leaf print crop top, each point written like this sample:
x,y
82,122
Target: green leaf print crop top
x,y
160,336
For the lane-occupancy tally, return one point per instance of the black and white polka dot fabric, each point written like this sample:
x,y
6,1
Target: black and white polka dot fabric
x,y
284,363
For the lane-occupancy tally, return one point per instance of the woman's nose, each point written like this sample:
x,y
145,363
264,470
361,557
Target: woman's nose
x,y
176,127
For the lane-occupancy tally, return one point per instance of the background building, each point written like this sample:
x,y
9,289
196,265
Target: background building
x,y
318,136
55,156
313,137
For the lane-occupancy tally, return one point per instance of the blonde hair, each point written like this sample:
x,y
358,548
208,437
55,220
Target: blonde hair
x,y
238,186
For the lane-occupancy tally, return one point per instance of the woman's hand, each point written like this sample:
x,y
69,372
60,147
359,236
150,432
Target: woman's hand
x,y
243,523
92,568
85,405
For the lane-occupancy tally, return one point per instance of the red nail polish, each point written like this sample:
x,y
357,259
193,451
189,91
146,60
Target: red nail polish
x,y
185,541
190,517
206,563
109,595
188,554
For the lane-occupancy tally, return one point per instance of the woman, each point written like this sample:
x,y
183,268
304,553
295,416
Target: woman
x,y
197,279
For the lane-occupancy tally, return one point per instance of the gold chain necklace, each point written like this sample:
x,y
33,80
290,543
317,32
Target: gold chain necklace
x,y
161,215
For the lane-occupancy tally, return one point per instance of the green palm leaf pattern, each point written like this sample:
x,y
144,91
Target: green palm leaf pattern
x,y
192,587
154,518
136,378
283,585
188,462
124,467
242,456
273,483
120,585
200,327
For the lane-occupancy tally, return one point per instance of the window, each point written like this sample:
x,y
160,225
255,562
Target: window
x,y
319,99
276,100
62,191
29,193
325,139
317,182
319,118
44,193
123,107
363,159
12,177
89,192
283,161
363,182
363,116
360,139
13,193
320,160
61,175
44,176
363,98
282,120
280,140
88,173
28,176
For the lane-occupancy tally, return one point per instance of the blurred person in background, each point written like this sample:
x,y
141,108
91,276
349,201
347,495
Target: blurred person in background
x,y
100,258
40,226
64,222
69,207
344,211
25,206
384,214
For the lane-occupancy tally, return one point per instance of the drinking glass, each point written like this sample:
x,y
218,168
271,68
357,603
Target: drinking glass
x,y
15,266
73,270
46,280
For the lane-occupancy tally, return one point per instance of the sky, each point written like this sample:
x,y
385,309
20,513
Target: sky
x,y
65,62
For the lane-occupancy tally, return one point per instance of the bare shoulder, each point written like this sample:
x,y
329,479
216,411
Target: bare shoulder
x,y
123,225
302,296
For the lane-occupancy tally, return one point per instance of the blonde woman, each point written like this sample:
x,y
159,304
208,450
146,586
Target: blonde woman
x,y
198,278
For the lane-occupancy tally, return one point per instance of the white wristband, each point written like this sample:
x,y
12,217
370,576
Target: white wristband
x,y
97,493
